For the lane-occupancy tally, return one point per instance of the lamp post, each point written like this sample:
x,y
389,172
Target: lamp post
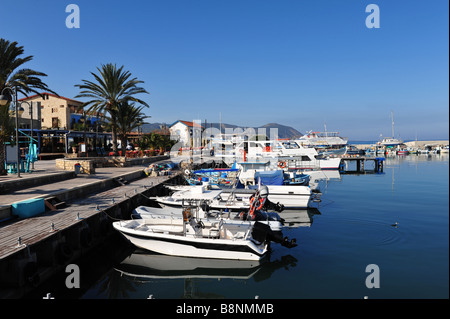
x,y
3,101
30,111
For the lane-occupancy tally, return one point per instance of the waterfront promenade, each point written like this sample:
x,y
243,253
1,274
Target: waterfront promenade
x,y
48,169
92,203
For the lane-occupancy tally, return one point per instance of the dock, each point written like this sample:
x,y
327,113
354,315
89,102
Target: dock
x,y
35,248
360,163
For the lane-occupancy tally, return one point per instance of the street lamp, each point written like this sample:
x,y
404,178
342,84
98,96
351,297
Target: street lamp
x,y
30,112
18,110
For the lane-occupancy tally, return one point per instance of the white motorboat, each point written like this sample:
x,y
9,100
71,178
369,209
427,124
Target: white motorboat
x,y
203,213
290,196
390,141
197,194
237,199
189,237
287,154
290,155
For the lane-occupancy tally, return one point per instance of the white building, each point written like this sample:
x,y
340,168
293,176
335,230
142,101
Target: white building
x,y
188,133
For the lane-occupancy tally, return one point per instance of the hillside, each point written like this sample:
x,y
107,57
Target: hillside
x,y
283,130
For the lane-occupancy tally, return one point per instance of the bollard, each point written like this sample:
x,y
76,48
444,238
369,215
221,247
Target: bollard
x,y
48,296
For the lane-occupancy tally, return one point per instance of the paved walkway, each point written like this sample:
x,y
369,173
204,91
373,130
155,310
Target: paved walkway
x,y
49,167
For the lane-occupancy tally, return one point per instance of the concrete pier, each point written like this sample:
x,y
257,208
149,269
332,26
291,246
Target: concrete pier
x,y
35,248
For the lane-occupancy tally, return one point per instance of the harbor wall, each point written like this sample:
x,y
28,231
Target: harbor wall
x,y
31,265
413,144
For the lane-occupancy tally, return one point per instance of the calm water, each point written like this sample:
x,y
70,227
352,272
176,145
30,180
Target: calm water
x,y
353,229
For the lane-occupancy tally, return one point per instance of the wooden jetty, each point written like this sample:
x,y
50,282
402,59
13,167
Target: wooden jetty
x,y
360,163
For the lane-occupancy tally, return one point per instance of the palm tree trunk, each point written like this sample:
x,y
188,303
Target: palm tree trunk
x,y
114,138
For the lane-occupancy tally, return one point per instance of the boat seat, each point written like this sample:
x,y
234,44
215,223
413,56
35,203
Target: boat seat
x,y
239,235
225,233
163,221
141,227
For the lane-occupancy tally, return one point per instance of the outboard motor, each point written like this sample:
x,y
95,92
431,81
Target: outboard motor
x,y
262,232
268,205
204,206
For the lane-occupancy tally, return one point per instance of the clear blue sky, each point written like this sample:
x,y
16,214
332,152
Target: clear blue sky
x,y
301,63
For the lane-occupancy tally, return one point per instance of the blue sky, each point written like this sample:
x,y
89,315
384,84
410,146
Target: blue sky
x,y
301,63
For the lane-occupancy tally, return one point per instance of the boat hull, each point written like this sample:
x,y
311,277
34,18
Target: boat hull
x,y
184,246
292,196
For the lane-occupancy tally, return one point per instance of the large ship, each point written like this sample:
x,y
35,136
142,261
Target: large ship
x,y
323,140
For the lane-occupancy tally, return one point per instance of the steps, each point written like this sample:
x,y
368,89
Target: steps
x,y
53,203
120,181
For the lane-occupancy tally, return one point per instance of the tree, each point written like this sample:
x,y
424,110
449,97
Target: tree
x,y
111,87
24,81
127,118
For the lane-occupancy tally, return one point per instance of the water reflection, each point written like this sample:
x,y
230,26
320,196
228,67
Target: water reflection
x,y
145,272
298,217
416,158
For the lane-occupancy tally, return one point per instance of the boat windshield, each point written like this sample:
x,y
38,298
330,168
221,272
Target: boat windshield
x,y
290,145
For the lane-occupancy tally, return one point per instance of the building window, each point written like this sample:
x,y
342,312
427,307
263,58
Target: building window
x,y
54,122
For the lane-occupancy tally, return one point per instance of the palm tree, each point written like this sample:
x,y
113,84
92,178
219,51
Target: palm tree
x,y
23,81
127,118
110,88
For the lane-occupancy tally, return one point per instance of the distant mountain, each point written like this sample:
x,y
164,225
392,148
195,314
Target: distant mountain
x,y
283,130
150,127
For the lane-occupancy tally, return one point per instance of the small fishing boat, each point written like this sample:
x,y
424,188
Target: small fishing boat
x,y
237,199
189,237
222,177
353,150
402,152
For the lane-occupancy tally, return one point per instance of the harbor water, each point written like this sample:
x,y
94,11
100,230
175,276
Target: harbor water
x,y
397,222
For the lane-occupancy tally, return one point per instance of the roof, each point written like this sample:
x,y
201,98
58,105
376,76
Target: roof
x,y
54,95
187,123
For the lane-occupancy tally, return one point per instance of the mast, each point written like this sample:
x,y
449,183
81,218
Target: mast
x,y
392,116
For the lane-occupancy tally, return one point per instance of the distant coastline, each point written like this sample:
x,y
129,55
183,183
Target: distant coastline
x,y
433,141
